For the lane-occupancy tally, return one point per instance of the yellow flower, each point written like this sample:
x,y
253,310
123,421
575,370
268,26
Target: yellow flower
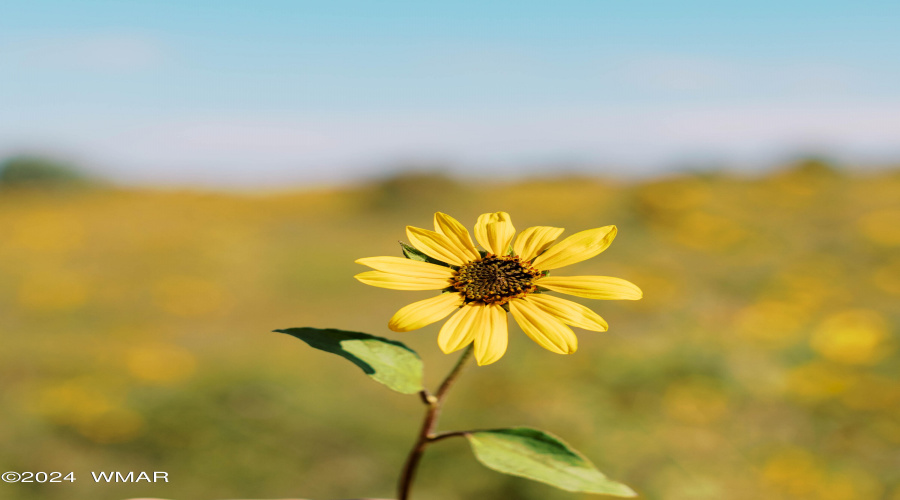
x,y
509,277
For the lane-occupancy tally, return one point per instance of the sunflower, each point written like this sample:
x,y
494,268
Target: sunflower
x,y
507,276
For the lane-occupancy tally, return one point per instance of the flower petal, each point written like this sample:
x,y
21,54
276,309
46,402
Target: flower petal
x,y
397,282
425,312
460,329
535,240
576,248
457,233
592,287
495,232
436,245
549,332
406,267
571,313
492,336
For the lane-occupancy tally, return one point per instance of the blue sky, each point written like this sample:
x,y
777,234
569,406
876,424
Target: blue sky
x,y
267,92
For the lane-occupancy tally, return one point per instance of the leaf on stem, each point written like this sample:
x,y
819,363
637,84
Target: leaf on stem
x,y
386,361
412,253
540,456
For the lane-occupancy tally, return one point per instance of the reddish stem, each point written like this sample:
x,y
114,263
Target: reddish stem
x,y
427,434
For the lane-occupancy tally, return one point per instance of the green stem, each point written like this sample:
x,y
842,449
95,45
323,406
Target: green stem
x,y
426,434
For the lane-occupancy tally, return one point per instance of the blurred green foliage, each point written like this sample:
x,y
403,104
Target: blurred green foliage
x,y
762,363
33,171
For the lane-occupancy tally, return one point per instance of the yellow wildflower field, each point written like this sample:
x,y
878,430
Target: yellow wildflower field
x,y
762,361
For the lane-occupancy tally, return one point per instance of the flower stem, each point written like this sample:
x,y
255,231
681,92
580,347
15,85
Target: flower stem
x,y
426,434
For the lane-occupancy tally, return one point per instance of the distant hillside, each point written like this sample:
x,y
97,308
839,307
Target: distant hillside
x,y
36,171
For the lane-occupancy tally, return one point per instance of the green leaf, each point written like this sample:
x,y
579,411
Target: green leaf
x,y
540,456
386,361
410,252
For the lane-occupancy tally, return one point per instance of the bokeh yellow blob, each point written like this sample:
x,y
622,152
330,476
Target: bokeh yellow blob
x,y
851,484
887,277
695,402
659,290
47,231
794,472
90,407
674,194
872,392
73,402
707,231
774,323
45,292
881,227
188,296
887,428
161,363
818,381
852,337
117,425
813,282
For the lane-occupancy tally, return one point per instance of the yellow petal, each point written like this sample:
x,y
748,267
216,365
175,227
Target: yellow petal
x,y
571,313
456,233
397,282
576,248
495,232
459,330
406,267
425,312
535,240
492,334
592,287
549,332
436,245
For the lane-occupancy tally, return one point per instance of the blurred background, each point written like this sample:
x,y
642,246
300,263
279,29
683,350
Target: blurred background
x,y
179,179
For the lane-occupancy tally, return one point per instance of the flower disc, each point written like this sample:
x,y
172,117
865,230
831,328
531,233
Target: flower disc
x,y
495,279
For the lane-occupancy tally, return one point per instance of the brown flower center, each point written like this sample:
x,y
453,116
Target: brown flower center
x,y
494,279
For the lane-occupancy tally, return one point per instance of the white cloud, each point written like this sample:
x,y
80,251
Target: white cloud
x,y
229,150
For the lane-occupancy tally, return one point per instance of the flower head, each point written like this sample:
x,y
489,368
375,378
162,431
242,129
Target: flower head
x,y
510,275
